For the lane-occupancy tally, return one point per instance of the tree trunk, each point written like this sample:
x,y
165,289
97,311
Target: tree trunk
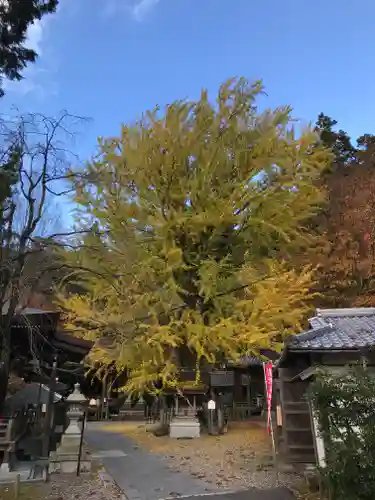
x,y
220,420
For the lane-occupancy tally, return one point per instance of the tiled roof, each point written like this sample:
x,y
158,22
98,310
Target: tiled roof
x,y
250,361
338,329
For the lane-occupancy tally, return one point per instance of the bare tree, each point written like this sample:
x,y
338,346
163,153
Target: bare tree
x,y
38,146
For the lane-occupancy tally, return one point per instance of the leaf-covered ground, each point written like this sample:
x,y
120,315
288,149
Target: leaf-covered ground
x,y
239,459
63,487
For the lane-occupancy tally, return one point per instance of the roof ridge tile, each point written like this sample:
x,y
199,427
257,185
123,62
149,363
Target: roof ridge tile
x,y
345,312
312,334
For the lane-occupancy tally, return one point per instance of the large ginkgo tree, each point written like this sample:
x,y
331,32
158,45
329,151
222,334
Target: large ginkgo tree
x,y
195,215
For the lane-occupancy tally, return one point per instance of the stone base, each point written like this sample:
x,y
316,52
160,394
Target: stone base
x,y
62,463
184,428
70,441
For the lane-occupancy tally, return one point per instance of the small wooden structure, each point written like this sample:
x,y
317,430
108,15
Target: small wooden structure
x,y
35,341
336,338
12,429
40,328
132,410
248,387
238,386
25,423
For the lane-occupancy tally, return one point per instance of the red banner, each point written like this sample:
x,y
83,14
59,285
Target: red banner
x,y
268,381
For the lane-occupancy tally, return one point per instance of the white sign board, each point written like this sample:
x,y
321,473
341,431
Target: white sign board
x,y
319,441
211,405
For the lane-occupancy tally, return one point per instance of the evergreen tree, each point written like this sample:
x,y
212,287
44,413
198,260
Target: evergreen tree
x,y
8,177
15,18
338,141
198,213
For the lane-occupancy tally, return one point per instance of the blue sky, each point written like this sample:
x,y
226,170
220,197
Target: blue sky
x,y
112,59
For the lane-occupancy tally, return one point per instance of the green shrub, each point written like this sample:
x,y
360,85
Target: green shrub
x,y
345,407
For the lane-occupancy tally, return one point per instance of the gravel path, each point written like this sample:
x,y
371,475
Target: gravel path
x,y
152,468
66,487
140,474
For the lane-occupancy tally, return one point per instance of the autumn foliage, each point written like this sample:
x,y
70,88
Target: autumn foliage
x,y
197,215
345,254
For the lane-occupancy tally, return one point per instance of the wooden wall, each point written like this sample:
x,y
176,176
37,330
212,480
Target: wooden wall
x,y
296,433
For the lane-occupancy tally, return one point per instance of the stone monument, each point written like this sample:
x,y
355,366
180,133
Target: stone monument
x,y
185,424
65,459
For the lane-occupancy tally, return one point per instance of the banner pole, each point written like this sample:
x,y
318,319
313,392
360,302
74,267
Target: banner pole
x,y
275,463
268,377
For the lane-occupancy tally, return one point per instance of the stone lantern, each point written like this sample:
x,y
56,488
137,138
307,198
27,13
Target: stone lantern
x,y
76,407
67,455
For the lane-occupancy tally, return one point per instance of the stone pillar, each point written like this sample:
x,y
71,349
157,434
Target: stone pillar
x,y
65,459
